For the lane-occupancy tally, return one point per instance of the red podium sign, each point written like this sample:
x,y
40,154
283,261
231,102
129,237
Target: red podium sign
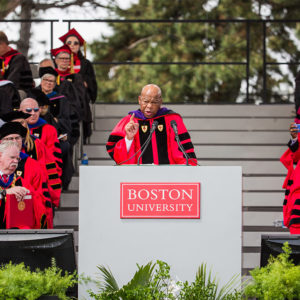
x,y
160,200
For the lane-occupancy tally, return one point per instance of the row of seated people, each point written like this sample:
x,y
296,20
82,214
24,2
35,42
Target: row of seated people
x,y
44,122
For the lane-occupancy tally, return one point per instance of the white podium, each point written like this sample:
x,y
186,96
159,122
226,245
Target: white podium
x,y
107,239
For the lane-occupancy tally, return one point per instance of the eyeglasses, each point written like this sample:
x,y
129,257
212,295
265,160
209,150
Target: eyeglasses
x,y
146,101
74,43
15,158
29,110
64,58
49,81
17,138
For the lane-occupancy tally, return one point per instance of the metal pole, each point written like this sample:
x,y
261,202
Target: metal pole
x,y
248,61
264,63
51,33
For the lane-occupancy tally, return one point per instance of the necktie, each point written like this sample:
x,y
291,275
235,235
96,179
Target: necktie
x,y
5,178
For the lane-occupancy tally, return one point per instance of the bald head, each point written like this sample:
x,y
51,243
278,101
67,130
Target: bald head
x,y
28,101
47,62
151,90
30,106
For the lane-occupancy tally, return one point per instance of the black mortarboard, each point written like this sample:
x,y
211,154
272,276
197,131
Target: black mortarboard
x,y
13,115
39,96
12,128
47,70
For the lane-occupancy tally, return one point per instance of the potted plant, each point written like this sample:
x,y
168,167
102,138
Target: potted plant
x,y
153,282
280,279
19,282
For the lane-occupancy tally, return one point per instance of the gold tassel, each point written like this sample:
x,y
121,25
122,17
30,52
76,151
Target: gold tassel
x,y
28,141
58,80
84,48
72,64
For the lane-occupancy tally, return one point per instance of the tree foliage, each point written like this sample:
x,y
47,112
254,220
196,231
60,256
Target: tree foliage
x,y
200,42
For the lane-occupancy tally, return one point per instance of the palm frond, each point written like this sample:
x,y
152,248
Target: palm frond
x,y
110,283
213,283
230,286
142,276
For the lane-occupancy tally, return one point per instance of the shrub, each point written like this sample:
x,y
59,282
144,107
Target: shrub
x,y
280,279
19,282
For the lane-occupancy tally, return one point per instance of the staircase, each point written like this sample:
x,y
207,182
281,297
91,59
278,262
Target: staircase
x,y
250,136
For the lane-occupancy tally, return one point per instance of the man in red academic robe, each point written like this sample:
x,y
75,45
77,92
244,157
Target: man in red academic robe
x,y
14,182
131,133
43,131
36,149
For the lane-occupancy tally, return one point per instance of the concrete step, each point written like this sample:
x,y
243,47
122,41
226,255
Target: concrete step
x,y
66,218
243,110
211,151
219,137
263,199
263,218
264,183
254,167
69,200
253,239
74,184
196,123
251,260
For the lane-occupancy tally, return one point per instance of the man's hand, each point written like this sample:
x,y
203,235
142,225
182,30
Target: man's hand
x,y
293,130
19,191
131,128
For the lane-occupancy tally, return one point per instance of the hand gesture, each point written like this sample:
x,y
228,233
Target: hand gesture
x,y
293,130
131,128
19,191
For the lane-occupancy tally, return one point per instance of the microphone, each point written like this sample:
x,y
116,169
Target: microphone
x,y
174,127
145,145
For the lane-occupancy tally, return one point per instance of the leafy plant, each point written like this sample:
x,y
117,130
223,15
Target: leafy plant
x,y
206,287
19,282
153,282
280,279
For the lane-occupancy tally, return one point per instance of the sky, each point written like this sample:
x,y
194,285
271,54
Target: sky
x,y
40,41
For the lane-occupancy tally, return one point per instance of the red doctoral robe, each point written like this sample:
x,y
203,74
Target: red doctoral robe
x,y
291,204
162,149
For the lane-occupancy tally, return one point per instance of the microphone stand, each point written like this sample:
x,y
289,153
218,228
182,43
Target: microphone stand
x,y
174,127
154,125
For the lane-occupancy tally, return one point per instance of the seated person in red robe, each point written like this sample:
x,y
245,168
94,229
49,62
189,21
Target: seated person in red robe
x,y
13,183
43,131
131,133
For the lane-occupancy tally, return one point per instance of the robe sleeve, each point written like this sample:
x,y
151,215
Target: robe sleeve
x,y
49,138
177,156
36,182
116,145
48,165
